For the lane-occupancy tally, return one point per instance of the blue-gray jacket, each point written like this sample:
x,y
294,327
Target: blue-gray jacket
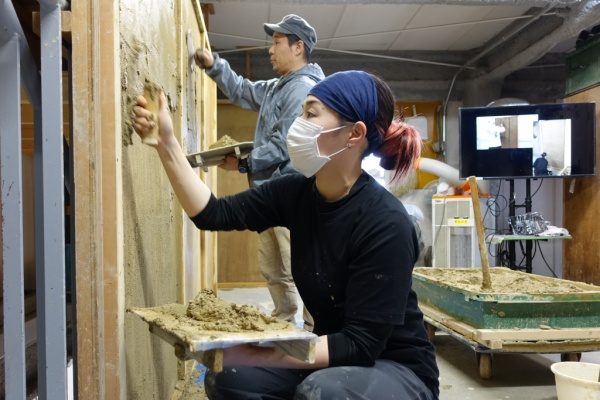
x,y
278,102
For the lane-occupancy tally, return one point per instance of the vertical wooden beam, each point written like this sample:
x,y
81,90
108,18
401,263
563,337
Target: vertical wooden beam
x,y
99,225
207,111
248,65
207,9
86,207
98,196
178,119
107,115
581,259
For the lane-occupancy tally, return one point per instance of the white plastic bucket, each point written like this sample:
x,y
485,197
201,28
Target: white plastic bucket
x,y
576,380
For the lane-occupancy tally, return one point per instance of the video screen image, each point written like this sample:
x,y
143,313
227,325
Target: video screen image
x,y
549,141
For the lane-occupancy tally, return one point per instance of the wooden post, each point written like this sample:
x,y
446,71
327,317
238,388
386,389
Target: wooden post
x,y
485,264
115,221
581,260
98,188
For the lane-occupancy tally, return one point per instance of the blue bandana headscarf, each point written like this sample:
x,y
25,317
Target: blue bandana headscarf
x,y
353,95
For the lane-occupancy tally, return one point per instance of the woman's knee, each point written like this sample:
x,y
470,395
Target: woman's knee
x,y
219,385
210,385
319,385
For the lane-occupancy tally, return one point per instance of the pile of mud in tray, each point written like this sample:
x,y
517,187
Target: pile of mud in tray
x,y
225,141
207,312
217,314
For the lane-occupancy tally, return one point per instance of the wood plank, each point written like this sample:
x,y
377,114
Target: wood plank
x,y
66,25
462,328
183,368
581,259
208,117
96,109
539,334
178,120
568,346
101,205
517,340
87,208
199,101
106,86
238,251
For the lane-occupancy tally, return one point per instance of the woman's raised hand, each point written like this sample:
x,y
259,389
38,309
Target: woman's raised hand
x,y
146,121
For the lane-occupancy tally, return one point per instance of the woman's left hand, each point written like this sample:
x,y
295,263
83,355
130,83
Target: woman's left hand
x,y
230,163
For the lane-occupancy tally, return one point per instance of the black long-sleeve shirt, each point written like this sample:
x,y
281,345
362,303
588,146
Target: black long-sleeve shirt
x,y
352,263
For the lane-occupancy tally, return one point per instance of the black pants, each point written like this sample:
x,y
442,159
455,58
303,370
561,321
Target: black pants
x,y
385,380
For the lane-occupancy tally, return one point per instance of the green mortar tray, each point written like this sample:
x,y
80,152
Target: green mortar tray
x,y
571,305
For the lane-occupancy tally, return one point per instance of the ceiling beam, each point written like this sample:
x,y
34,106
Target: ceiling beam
x,y
530,3
580,17
526,38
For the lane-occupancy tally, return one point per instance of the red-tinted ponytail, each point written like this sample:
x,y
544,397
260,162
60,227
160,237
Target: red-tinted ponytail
x,y
401,148
401,145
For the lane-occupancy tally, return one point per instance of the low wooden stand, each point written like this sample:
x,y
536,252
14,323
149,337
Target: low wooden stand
x,y
569,342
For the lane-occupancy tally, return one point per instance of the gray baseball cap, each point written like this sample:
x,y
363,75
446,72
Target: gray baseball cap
x,y
293,24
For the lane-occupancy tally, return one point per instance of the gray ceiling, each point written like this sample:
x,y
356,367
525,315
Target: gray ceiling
x,y
420,47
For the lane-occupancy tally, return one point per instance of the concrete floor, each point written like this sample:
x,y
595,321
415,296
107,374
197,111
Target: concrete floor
x,y
515,376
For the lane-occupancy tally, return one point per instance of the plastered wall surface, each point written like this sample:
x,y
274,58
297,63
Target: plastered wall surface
x,y
151,223
161,249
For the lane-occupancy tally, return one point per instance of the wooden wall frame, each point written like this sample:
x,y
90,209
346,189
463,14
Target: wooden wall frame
x,y
98,151
581,259
94,41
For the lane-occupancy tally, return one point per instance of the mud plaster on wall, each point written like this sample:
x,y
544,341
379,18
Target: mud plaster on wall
x,y
136,74
151,216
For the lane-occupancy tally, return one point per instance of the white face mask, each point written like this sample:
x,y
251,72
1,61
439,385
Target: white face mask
x,y
303,147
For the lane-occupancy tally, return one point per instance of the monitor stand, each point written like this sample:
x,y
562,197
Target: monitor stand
x,y
512,206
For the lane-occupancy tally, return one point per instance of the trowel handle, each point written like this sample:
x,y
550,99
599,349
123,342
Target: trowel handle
x,y
485,265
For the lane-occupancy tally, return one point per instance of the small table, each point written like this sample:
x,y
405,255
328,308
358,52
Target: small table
x,y
498,239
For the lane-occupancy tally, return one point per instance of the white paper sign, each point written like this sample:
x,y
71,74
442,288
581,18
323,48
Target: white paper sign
x,y
420,124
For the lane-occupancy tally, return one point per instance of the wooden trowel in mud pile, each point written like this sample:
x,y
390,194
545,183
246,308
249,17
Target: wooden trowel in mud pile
x,y
485,264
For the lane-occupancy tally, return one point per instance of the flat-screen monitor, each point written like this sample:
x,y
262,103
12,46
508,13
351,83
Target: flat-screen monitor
x,y
528,141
